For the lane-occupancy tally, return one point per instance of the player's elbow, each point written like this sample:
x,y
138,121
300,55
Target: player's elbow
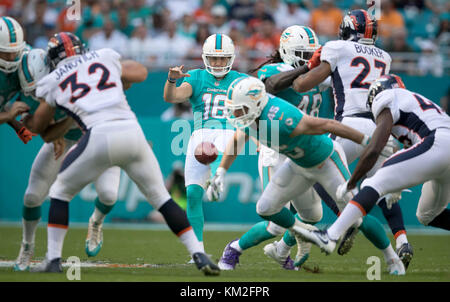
x,y
270,85
298,86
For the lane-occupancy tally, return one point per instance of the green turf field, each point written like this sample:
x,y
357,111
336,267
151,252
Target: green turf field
x,y
168,258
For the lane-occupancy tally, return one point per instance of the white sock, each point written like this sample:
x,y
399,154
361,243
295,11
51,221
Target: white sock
x,y
191,242
283,249
29,230
400,240
348,217
236,246
389,253
55,242
98,216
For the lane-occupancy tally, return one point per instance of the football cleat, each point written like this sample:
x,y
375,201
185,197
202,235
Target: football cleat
x,y
94,240
405,253
205,264
318,237
49,266
286,263
230,257
396,267
347,241
303,249
24,259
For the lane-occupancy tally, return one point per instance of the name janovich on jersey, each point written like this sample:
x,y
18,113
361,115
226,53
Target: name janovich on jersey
x,y
216,90
363,49
69,66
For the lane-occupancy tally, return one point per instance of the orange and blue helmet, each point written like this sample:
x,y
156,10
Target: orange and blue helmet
x,y
387,81
359,27
63,45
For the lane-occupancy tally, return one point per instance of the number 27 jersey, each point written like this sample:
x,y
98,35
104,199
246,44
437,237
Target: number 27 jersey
x,y
88,88
354,67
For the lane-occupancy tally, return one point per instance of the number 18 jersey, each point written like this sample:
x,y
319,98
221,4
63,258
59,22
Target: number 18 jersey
x,y
88,88
208,98
354,67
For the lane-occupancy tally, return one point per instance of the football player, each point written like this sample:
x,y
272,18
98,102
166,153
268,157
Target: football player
x,y
424,129
87,85
12,45
64,134
206,90
353,62
312,156
297,45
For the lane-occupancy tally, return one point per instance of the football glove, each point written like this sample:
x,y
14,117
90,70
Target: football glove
x,y
342,191
315,59
25,135
215,185
392,198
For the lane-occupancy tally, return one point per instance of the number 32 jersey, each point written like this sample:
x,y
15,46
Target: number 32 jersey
x,y
208,98
354,67
88,88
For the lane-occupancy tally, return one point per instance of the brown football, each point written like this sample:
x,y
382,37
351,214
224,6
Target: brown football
x,y
206,153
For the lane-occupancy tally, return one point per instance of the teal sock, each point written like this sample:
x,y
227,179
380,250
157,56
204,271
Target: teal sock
x,y
257,234
30,214
284,218
289,238
194,210
105,209
374,231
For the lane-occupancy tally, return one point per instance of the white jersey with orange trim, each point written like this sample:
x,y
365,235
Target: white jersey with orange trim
x,y
414,116
88,88
354,67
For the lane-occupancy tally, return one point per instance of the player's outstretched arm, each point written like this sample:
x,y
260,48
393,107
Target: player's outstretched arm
x,y
233,148
315,126
41,118
172,93
373,150
283,80
311,79
16,109
133,72
57,130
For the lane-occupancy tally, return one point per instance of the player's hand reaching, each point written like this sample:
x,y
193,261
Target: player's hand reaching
x,y
342,191
17,109
25,135
315,59
59,145
215,186
177,73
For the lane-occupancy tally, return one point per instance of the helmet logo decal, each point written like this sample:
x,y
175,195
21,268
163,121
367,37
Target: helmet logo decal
x,y
285,36
254,92
12,31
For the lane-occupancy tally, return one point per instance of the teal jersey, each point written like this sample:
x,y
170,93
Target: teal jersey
x,y
309,102
9,87
208,98
279,118
73,134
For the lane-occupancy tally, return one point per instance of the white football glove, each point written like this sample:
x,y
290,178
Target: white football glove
x,y
215,185
392,198
390,148
342,191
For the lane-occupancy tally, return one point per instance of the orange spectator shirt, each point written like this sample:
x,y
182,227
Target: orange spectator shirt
x,y
390,22
326,23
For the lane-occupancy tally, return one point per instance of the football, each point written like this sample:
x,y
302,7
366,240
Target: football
x,y
206,153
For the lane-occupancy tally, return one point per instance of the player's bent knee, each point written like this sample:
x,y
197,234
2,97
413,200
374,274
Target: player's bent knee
x,y
107,197
31,200
425,218
265,208
312,215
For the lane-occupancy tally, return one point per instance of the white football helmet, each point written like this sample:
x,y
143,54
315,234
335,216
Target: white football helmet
x,y
33,67
218,45
298,44
11,40
248,95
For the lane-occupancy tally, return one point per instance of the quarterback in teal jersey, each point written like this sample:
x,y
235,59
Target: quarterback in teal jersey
x,y
206,90
12,45
58,139
312,157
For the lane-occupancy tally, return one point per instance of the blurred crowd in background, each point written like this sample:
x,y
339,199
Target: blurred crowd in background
x,y
171,32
